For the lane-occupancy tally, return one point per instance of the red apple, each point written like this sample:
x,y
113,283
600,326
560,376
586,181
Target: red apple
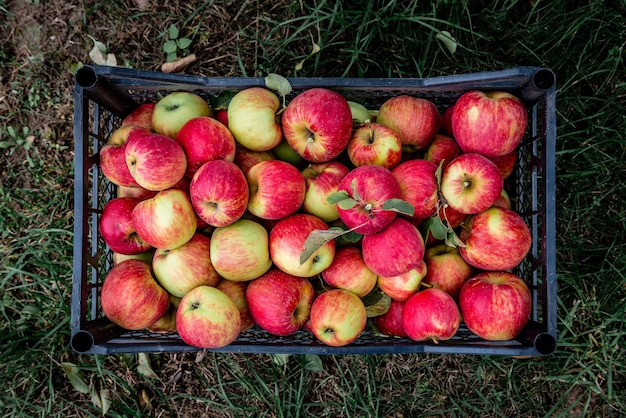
x,y
317,124
495,239
252,118
404,285
277,189
165,221
135,192
287,240
348,271
141,116
370,186
418,186
503,201
240,251
390,323
471,183
237,292
219,192
337,317
130,296
207,318
373,143
145,256
245,158
174,110
185,267
415,120
204,139
446,269
446,120
431,314
488,123
117,228
279,302
451,217
496,305
505,163
156,162
113,158
322,180
395,250
443,148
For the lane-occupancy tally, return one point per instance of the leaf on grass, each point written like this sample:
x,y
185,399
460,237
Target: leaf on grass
x,y
101,400
347,204
278,83
400,206
169,47
179,64
337,197
111,60
314,50
311,362
173,32
317,239
448,41
75,375
98,53
144,367
280,359
183,43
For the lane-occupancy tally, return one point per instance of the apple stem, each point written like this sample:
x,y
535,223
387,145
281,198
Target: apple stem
x,y
368,207
467,183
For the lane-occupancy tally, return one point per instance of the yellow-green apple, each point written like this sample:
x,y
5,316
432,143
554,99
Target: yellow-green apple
x,y
415,120
404,285
348,271
443,148
136,192
279,302
431,314
155,161
368,187
140,116
165,221
113,158
390,323
395,250
284,152
207,318
495,239
471,183
505,163
446,269
145,256
496,305
276,188
287,240
219,192
418,186
240,251
360,113
245,158
204,139
322,180
131,297
237,292
185,267
337,317
446,120
174,110
117,228
373,143
504,201
488,123
252,118
167,323
317,124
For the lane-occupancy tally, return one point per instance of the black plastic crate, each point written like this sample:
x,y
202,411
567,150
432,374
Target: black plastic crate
x,y
104,95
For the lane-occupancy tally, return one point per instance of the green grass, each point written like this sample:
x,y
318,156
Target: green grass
x,y
582,42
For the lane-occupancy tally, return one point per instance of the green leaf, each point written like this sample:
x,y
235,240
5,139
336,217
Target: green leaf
x,y
173,32
221,100
75,375
380,307
337,197
438,174
448,41
347,204
169,47
453,240
75,67
98,53
101,400
183,43
400,206
355,194
311,362
351,237
317,239
280,359
144,367
171,56
437,228
278,83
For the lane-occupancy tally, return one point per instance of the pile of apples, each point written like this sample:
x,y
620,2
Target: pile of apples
x,y
315,214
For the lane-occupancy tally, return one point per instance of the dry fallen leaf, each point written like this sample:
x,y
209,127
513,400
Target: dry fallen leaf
x,y
179,64
142,4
